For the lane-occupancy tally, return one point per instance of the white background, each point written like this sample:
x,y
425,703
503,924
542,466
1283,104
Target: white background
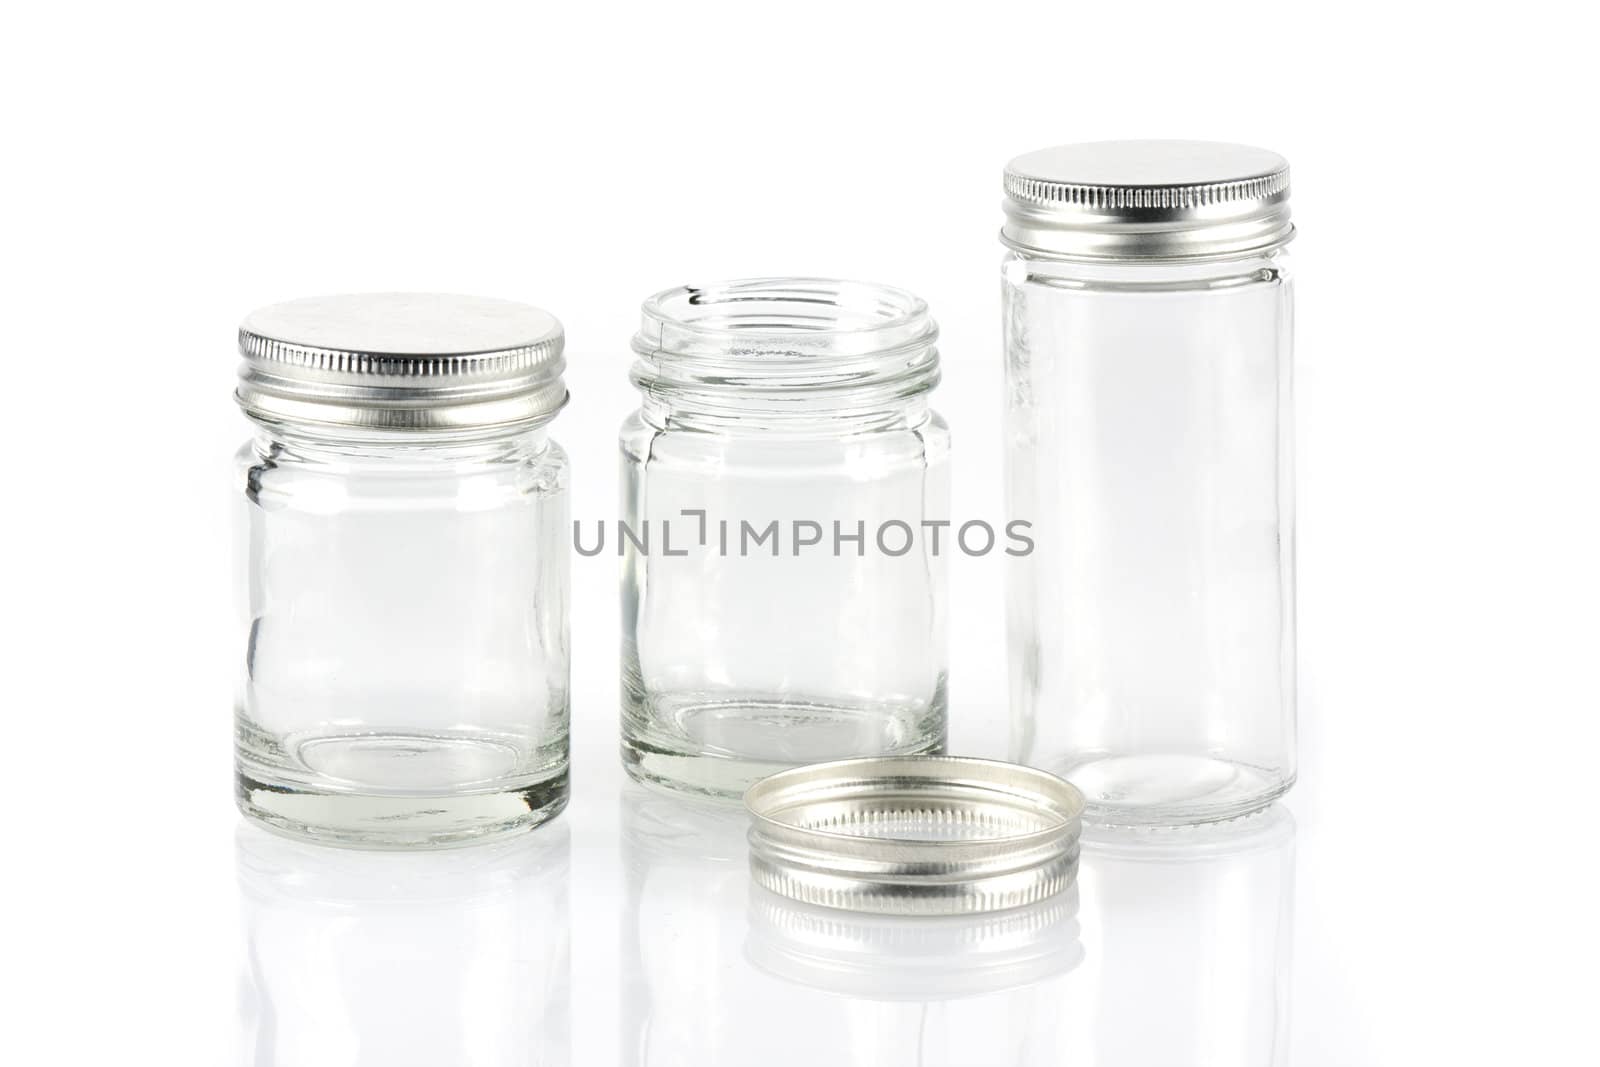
x,y
168,167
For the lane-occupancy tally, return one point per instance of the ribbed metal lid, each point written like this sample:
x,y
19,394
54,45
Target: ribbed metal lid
x,y
1147,200
914,835
402,361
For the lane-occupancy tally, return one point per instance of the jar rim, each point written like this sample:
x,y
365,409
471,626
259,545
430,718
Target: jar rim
x,y
775,340
777,312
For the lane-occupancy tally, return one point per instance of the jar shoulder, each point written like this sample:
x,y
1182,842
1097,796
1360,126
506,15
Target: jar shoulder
x,y
272,473
924,442
1020,271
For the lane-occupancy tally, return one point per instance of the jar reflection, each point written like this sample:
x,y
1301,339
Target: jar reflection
x,y
722,972
683,999
361,958
1187,936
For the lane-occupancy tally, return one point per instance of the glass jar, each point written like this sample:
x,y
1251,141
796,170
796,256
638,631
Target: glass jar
x,y
1147,329
785,491
404,539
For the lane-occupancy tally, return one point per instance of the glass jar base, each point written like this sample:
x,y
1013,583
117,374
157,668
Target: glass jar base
x,y
1172,789
356,820
397,788
398,820
772,736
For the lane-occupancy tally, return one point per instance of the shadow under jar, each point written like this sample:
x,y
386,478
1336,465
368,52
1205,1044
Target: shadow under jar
x,y
404,563
1147,332
783,589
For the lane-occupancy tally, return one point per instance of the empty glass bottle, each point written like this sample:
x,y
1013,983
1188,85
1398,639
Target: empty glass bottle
x,y
783,595
1147,336
404,570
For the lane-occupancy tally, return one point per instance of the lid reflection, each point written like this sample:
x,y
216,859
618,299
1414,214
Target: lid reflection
x,y
885,957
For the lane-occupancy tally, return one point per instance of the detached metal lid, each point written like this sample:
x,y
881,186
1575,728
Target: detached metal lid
x,y
1147,200
915,835
402,361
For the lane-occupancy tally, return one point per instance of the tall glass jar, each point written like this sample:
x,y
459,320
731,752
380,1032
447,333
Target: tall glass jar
x,y
1147,334
404,570
785,486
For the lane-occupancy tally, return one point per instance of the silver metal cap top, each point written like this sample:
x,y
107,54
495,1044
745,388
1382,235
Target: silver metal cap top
x,y
402,361
1147,200
914,835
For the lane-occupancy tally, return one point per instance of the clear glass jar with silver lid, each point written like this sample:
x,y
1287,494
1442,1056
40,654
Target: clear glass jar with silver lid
x,y
404,567
783,589
1147,324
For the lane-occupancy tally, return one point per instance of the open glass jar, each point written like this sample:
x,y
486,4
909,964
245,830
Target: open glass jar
x,y
404,569
784,488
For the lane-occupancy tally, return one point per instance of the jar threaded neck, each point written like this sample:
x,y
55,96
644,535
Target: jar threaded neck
x,y
780,345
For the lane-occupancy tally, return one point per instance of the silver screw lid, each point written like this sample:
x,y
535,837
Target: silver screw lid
x,y
1147,200
402,361
914,835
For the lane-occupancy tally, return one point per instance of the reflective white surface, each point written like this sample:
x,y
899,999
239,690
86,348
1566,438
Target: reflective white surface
x,y
391,957
1173,948
702,943
175,164
627,932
